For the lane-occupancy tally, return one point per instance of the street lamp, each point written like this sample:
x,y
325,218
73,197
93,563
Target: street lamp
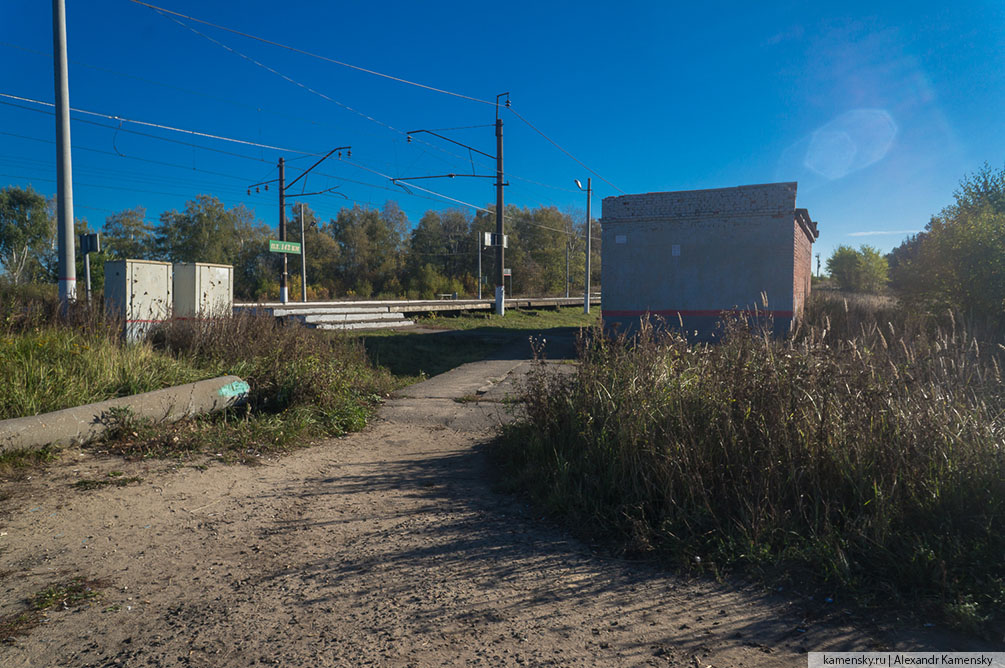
x,y
589,226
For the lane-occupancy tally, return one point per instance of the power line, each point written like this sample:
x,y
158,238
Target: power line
x,y
293,81
312,55
160,162
412,185
143,134
97,185
159,126
167,12
122,177
130,157
556,145
167,85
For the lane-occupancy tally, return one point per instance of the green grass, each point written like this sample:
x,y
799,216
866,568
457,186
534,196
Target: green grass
x,y
74,592
866,456
62,595
515,319
411,357
88,483
304,384
16,461
462,338
53,368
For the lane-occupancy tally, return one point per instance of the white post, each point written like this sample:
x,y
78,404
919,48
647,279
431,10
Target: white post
x,y
589,233
303,258
64,179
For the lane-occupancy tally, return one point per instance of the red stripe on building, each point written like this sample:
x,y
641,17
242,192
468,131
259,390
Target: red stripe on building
x,y
713,313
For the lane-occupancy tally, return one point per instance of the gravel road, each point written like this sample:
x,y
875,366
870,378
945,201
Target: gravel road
x,y
385,548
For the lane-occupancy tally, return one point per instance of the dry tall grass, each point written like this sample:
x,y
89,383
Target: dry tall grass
x,y
867,451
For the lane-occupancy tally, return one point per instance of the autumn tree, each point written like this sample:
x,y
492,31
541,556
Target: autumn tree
x,y
128,236
206,231
862,270
25,229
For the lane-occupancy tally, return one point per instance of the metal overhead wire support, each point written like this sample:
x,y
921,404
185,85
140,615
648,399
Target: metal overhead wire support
x,y
444,176
452,141
348,149
283,187
427,190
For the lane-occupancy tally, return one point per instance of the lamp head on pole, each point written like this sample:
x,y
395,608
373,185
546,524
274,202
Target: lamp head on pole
x,y
578,184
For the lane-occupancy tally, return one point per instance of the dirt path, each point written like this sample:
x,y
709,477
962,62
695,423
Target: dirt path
x,y
387,548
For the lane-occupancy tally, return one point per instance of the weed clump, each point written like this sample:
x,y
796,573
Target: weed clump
x,y
867,454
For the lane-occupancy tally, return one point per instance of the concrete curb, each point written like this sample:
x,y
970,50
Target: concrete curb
x,y
74,426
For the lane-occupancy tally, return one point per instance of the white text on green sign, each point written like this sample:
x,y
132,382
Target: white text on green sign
x,y
284,246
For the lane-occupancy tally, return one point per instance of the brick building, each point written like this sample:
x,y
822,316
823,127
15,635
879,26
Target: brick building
x,y
689,256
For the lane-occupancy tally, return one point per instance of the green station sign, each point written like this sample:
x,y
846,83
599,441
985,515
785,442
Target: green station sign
x,y
284,246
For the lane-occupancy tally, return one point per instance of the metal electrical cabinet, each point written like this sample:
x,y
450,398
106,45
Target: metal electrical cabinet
x,y
203,290
138,292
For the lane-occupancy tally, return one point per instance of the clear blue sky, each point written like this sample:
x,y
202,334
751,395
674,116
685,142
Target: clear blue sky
x,y
876,109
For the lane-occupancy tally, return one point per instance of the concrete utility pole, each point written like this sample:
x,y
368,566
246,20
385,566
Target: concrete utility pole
x,y
303,258
567,242
498,239
500,255
284,295
284,291
64,178
589,234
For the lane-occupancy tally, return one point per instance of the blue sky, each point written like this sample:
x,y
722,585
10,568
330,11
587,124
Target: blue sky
x,y
876,109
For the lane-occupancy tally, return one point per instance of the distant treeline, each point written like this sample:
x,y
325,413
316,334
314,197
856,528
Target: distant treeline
x,y
362,252
957,263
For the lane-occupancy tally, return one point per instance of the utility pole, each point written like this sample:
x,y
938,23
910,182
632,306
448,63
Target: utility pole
x,y
500,255
303,258
284,295
478,240
818,265
566,267
498,239
64,177
589,234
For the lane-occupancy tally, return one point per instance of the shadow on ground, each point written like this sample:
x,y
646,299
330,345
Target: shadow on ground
x,y
515,567
432,352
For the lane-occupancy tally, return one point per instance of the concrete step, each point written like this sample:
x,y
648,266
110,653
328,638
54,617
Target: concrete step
x,y
349,317
322,310
393,324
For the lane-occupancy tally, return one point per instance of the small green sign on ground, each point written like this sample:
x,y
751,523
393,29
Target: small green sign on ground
x,y
284,246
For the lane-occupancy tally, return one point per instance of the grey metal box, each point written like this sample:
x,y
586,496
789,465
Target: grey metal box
x,y
138,292
203,290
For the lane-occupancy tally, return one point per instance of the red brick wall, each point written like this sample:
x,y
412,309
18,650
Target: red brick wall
x,y
802,269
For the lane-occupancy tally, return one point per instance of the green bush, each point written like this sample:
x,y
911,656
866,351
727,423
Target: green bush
x,y
958,262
